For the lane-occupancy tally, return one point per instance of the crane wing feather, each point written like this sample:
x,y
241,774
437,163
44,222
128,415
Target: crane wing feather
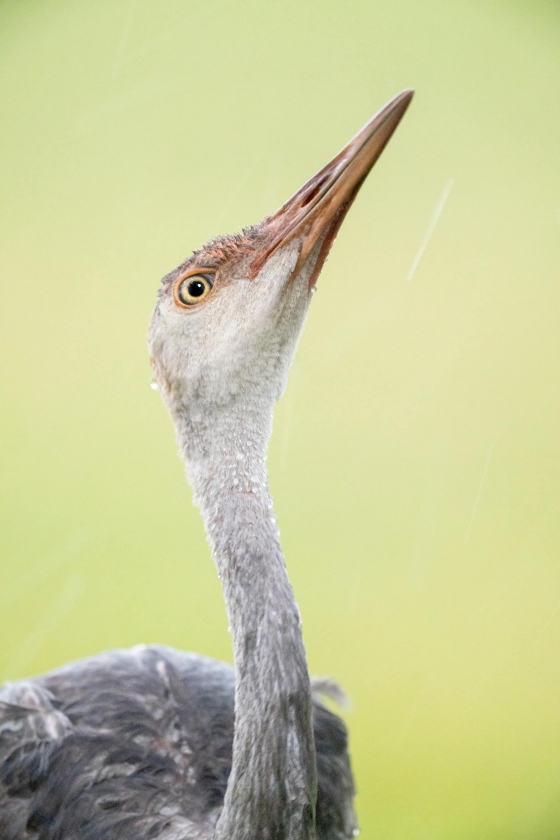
x,y
137,743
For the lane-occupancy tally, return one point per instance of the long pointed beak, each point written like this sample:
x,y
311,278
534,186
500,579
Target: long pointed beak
x,y
317,209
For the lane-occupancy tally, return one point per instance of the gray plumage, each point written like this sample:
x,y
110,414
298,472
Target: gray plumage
x,y
137,744
157,744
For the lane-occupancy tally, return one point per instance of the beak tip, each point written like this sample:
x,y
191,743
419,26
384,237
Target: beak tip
x,y
405,97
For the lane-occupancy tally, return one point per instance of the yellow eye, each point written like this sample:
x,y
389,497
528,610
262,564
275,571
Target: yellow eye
x,y
193,289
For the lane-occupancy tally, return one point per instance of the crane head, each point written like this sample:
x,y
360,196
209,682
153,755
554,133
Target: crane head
x,y
227,320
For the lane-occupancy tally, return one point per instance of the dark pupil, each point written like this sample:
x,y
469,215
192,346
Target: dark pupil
x,y
196,288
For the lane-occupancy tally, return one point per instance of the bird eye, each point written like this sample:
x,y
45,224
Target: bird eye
x,y
193,289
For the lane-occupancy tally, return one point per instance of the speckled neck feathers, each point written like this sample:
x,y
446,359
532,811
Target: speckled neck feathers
x,y
221,371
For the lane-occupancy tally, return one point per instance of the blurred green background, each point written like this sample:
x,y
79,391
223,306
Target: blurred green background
x,y
415,458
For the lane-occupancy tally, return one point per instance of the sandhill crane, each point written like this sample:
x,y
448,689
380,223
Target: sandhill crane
x,y
153,742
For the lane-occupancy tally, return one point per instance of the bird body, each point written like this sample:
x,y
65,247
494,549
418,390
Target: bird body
x,y
155,743
137,743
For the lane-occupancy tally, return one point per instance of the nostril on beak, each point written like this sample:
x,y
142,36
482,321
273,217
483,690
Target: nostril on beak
x,y
309,197
313,193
